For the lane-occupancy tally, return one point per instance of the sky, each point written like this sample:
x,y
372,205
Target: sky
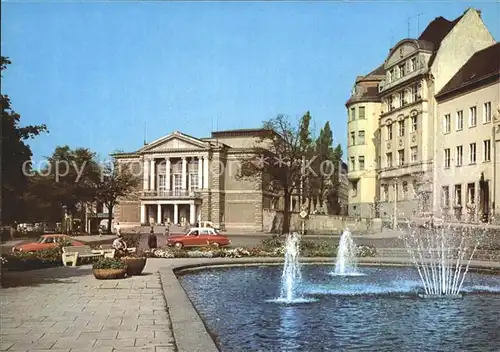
x,y
107,75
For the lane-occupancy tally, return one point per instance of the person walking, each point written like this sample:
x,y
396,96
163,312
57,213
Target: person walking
x,y
152,241
100,231
167,230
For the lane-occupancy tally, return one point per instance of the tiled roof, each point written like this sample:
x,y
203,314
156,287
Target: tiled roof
x,y
379,71
436,31
481,65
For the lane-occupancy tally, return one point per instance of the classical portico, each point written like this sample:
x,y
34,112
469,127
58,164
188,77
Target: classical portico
x,y
175,174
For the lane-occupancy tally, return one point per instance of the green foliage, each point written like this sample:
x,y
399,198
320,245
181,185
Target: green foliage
x,y
272,242
131,239
35,260
16,164
109,263
116,181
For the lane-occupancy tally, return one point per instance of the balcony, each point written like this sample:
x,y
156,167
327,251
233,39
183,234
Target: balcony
x,y
172,194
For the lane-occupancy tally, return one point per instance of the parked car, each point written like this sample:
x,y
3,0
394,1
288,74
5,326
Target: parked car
x,y
197,237
45,242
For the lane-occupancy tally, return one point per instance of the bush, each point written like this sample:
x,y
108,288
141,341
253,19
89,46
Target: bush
x,y
34,260
131,239
273,242
109,263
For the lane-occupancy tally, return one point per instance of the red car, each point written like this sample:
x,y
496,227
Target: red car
x,y
46,242
197,237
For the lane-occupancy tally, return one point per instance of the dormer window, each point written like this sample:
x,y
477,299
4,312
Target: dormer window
x,y
413,63
402,70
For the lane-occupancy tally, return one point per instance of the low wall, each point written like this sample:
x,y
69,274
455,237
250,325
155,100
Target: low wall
x,y
321,224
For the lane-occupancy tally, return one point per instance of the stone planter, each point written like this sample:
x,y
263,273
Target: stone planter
x,y
135,266
108,274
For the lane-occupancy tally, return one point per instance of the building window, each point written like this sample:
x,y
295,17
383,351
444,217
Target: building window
x,y
460,155
353,163
445,196
414,154
361,112
353,114
177,178
472,116
405,190
385,192
392,76
472,153
361,137
353,138
460,120
417,92
471,193
162,183
447,123
458,195
447,158
487,112
389,131
414,120
401,157
487,150
389,159
401,125
193,175
413,63
390,102
401,96
402,70
361,162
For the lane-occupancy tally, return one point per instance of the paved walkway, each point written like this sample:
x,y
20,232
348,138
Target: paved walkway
x,y
67,309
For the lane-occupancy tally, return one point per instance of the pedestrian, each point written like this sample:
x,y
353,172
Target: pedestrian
x,y
167,229
119,244
152,241
100,231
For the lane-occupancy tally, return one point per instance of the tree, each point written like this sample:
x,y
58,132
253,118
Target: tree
x,y
333,192
116,181
16,158
70,180
324,152
279,154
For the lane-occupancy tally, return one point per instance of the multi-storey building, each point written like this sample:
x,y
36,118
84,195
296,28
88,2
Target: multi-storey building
x,y
468,136
187,179
363,118
415,71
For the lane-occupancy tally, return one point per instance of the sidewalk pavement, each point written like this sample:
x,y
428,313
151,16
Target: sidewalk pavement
x,y
67,309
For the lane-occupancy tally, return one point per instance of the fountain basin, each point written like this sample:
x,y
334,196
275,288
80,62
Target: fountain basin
x,y
357,313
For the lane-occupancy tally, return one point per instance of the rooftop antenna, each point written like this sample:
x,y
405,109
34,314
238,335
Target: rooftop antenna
x,y
145,131
409,26
418,23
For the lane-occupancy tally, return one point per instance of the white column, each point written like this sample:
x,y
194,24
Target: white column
x,y
145,173
200,172
167,174
192,211
176,214
184,167
152,181
143,214
158,215
205,172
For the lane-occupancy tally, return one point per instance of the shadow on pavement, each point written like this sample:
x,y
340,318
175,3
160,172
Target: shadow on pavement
x,y
43,276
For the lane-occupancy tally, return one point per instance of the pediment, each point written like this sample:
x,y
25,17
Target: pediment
x,y
174,141
400,51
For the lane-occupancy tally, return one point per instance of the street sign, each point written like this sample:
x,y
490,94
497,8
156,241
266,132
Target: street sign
x,y
303,214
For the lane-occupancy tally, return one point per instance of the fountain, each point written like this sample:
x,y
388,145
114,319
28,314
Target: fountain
x,y
441,256
346,264
291,278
